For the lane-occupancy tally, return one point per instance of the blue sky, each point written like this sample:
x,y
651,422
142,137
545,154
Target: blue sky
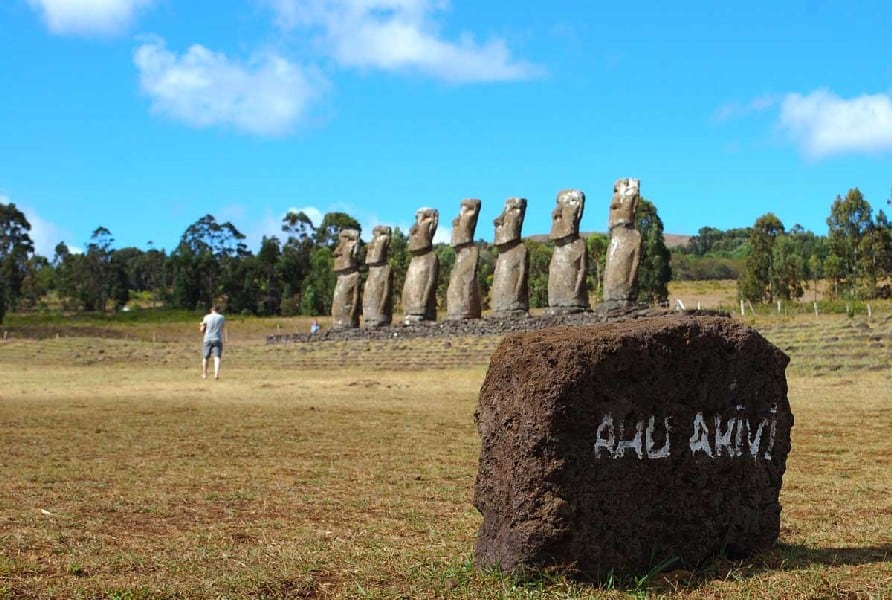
x,y
144,115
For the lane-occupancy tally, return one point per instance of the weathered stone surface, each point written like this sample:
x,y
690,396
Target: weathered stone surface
x,y
567,292
465,223
346,302
463,293
420,288
624,250
377,296
611,448
509,295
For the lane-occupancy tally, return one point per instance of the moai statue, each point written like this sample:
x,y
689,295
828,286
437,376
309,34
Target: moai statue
x,y
624,250
567,293
420,288
346,302
463,294
377,296
510,281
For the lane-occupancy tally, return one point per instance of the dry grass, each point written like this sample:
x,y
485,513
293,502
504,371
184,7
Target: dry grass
x,y
123,475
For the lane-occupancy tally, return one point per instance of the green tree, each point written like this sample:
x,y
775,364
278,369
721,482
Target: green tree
x,y
849,224
876,250
755,283
485,270
318,286
654,269
331,225
788,269
596,246
268,258
540,258
38,281
399,258
815,271
207,255
835,272
15,249
294,259
446,258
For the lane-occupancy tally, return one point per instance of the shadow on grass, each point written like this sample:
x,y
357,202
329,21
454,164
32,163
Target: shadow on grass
x,y
797,556
781,558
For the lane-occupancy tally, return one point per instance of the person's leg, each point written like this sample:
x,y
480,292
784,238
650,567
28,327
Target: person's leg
x,y
205,353
218,354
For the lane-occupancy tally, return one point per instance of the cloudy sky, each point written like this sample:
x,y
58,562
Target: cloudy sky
x,y
141,116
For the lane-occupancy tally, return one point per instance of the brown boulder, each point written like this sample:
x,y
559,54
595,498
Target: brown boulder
x,y
614,447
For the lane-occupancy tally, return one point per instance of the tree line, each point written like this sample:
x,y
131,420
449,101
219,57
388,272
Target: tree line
x,y
770,262
290,274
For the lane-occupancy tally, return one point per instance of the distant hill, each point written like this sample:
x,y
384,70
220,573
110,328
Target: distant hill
x,y
672,239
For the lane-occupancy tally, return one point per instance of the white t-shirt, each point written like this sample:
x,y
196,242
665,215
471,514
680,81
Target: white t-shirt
x,y
213,325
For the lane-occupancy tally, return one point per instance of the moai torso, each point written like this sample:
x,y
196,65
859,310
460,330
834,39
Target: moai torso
x,y
567,291
377,296
463,294
510,281
624,250
420,288
345,304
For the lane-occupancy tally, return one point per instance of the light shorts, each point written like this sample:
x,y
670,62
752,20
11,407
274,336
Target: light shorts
x,y
214,347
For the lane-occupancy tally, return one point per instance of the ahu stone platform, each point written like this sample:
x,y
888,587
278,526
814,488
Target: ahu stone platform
x,y
483,327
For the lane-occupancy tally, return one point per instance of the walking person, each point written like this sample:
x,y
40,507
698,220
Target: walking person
x,y
212,327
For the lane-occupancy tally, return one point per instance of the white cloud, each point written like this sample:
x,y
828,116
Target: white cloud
x,y
400,35
268,95
735,110
821,123
86,17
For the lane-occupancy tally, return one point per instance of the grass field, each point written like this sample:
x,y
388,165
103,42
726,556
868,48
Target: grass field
x,y
124,475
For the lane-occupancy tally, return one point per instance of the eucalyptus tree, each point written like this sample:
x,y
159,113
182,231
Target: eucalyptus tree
x,y
755,283
654,269
15,249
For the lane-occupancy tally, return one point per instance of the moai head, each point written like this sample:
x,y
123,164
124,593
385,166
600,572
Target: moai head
x,y
626,194
421,235
376,251
346,254
567,214
465,223
510,222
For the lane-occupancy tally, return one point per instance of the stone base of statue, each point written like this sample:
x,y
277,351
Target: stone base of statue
x,y
463,294
510,282
612,307
420,288
377,297
346,302
560,311
567,292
